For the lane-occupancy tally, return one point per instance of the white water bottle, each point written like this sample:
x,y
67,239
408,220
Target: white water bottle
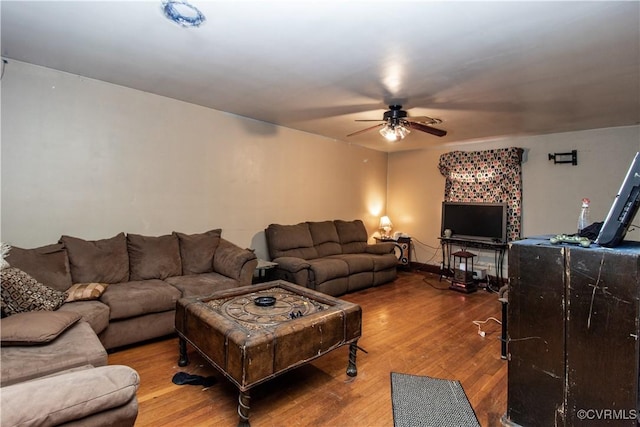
x,y
584,219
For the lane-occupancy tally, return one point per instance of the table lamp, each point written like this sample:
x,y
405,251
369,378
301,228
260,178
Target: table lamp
x,y
385,226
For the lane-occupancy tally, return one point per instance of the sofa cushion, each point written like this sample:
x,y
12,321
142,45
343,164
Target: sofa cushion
x,y
357,263
20,293
290,240
384,262
77,346
325,238
101,261
134,330
85,291
153,257
196,251
353,235
325,269
359,281
95,313
72,397
136,298
47,264
381,248
35,327
197,285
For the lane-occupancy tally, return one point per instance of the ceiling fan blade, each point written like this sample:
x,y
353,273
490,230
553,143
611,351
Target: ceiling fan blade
x,y
427,129
366,129
368,120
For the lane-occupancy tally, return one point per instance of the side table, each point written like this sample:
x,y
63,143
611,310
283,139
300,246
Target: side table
x,y
402,249
262,269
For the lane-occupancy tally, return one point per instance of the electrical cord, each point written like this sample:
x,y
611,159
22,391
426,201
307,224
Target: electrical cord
x,y
424,244
435,252
479,324
425,280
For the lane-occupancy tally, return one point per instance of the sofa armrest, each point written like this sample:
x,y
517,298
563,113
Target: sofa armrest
x,y
235,262
69,396
293,269
381,248
292,264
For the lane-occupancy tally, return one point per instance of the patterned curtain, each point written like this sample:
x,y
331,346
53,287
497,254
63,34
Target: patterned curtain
x,y
493,176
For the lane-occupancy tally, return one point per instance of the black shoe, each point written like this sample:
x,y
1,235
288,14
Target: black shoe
x,y
182,378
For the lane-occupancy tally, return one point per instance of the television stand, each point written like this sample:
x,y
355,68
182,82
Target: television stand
x,y
448,243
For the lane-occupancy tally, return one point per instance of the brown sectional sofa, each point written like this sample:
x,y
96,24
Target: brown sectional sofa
x,y
146,275
333,257
142,277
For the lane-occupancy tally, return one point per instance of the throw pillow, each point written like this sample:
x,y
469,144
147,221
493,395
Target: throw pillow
x,y
100,261
4,251
36,327
153,257
47,264
196,251
85,291
21,292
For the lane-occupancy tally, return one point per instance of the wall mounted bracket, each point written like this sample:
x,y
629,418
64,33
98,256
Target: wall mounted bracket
x,y
571,157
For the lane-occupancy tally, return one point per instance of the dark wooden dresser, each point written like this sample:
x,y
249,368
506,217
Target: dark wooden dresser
x,y
573,326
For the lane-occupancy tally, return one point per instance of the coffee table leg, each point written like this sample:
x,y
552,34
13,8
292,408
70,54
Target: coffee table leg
x,y
184,359
352,371
243,409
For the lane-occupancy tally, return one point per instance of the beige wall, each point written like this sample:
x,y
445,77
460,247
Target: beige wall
x,y
552,194
90,159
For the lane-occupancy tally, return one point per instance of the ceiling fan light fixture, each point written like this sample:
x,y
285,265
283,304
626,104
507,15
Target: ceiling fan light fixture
x,y
394,133
396,125
402,131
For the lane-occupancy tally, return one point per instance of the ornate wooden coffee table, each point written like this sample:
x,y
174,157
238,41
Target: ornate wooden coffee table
x,y
254,333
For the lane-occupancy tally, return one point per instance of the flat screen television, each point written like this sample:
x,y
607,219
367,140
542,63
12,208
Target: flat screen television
x,y
475,221
624,208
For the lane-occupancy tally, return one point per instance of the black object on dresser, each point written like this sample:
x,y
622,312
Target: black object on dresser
x,y
573,317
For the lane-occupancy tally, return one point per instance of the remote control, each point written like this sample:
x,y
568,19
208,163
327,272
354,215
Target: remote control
x,y
576,240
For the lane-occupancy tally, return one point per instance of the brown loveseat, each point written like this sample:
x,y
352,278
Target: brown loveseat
x,y
333,257
114,292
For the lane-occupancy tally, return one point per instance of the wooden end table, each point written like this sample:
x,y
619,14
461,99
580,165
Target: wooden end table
x,y
263,268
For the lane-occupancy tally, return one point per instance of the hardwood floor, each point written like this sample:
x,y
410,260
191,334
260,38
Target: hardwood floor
x,y
414,325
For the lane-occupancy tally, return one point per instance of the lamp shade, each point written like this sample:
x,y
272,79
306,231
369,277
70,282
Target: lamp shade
x,y
385,222
385,226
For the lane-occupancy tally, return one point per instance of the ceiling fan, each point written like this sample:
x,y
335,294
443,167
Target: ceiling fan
x,y
396,124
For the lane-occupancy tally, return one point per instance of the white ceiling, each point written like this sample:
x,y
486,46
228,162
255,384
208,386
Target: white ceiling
x,y
486,69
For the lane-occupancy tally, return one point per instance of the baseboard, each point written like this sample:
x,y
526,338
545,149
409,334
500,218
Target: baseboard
x,y
435,269
428,268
